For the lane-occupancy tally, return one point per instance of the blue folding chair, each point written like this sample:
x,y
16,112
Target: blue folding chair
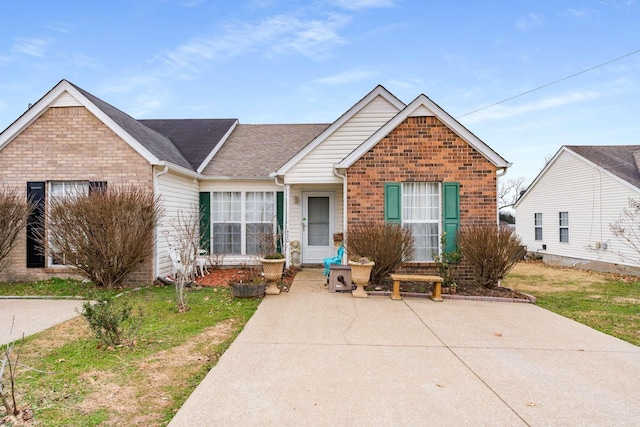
x,y
328,262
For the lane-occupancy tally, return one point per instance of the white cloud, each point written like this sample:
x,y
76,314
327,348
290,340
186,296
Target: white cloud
x,y
192,3
280,34
532,20
32,47
618,3
61,27
582,14
363,4
502,111
350,76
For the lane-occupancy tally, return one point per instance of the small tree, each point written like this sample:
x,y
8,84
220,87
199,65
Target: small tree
x,y
184,239
490,251
113,324
14,212
447,263
388,245
627,230
9,363
104,235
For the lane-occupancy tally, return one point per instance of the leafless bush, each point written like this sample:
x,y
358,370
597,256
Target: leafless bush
x,y
14,212
184,240
627,230
9,364
104,235
385,244
491,251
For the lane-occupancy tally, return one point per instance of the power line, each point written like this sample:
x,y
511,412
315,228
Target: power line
x,y
552,83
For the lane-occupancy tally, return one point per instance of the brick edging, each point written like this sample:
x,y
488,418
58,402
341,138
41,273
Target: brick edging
x,y
530,298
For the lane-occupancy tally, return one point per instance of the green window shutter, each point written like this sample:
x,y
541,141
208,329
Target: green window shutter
x,y
205,221
451,213
279,217
393,202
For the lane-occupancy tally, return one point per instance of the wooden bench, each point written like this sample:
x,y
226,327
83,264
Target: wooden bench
x,y
436,280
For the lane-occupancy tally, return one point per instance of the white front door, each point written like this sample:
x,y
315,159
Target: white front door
x,y
318,223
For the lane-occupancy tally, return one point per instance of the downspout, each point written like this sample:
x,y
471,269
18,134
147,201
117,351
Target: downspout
x,y
285,220
344,205
156,263
498,176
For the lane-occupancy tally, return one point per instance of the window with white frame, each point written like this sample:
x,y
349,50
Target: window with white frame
x,y
59,190
564,227
240,220
260,217
537,223
421,215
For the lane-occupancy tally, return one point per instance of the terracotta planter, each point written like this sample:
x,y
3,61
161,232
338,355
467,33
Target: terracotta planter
x,y
272,269
360,275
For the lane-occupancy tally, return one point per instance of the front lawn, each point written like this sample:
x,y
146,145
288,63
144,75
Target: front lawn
x,y
607,302
66,378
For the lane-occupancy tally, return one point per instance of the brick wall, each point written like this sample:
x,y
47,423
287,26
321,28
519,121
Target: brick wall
x,y
69,143
423,149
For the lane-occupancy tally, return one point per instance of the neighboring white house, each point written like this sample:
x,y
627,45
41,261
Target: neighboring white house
x,y
565,214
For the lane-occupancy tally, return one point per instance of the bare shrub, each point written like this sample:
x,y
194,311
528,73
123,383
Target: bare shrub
x,y
14,212
184,239
113,324
627,230
104,235
385,244
491,252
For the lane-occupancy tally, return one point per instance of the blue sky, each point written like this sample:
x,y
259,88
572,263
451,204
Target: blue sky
x,y
285,61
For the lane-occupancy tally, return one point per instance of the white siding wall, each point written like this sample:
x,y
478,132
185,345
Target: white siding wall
x,y
593,198
317,166
177,194
295,209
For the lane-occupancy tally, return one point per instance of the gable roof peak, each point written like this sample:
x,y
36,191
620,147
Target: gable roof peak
x,y
377,91
422,105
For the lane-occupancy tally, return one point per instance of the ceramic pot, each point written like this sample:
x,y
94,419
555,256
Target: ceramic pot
x,y
360,275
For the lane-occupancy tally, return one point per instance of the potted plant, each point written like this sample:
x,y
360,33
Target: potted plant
x,y
360,275
248,284
272,267
248,289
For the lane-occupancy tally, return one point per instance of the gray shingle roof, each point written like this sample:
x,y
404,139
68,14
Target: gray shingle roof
x,y
185,143
617,159
254,151
194,138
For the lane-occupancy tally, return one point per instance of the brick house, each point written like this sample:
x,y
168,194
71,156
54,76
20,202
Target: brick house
x,y
381,160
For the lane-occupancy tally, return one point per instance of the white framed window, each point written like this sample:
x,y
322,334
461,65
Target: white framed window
x,y
226,221
421,214
240,219
537,223
58,190
260,219
564,227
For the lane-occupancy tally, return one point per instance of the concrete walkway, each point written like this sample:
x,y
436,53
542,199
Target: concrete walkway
x,y
318,359
29,316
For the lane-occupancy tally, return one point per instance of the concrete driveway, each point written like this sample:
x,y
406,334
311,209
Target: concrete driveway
x,y
29,316
319,359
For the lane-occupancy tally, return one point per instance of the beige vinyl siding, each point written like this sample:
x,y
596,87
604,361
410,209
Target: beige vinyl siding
x,y
178,194
592,197
66,100
295,209
317,166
